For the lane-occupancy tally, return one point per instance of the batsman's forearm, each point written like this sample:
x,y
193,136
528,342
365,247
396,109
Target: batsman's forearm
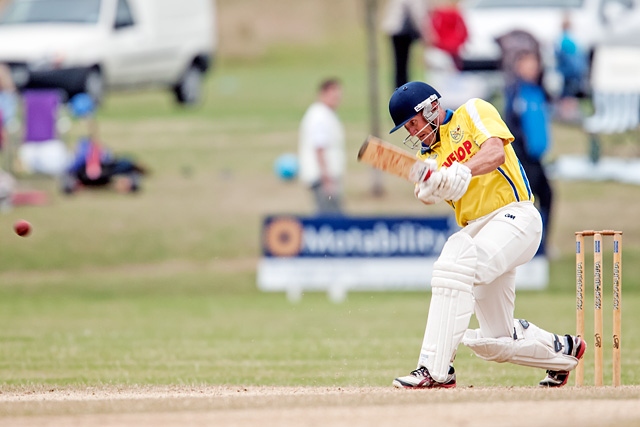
x,y
490,156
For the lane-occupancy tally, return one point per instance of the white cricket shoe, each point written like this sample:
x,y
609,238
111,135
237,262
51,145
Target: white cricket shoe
x,y
421,378
576,348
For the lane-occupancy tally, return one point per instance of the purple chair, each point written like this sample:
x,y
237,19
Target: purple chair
x,y
40,115
41,150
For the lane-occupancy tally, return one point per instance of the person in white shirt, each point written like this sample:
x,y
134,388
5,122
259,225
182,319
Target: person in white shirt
x,y
322,149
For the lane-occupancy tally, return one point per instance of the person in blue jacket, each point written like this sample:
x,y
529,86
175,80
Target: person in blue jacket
x,y
573,64
527,114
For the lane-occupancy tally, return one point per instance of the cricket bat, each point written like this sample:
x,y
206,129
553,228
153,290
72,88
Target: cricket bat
x,y
394,160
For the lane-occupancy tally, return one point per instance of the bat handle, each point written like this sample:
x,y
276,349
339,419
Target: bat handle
x,y
419,172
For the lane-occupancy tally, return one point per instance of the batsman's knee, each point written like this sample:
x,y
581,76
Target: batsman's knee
x,y
456,266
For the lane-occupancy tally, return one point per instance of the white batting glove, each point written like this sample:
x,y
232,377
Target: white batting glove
x,y
456,180
433,165
427,191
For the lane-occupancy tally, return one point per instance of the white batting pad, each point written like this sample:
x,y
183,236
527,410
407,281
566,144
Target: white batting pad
x,y
451,304
532,347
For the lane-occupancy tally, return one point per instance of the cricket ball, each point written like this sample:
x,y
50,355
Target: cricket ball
x,y
22,228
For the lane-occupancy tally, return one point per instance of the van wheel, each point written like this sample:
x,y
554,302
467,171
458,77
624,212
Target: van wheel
x,y
189,88
94,85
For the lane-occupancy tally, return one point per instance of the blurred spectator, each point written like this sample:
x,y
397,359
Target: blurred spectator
x,y
4,135
8,102
7,189
512,45
93,164
572,64
447,30
403,20
528,117
322,149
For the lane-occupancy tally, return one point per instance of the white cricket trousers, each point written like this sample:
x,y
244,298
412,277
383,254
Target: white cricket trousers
x,y
505,239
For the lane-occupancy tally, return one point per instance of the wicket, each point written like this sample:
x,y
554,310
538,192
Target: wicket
x,y
597,302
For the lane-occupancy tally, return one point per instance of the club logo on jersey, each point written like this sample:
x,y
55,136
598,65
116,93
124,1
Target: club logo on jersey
x,y
457,134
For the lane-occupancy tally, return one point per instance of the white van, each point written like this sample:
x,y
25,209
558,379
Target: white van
x,y
593,23
97,45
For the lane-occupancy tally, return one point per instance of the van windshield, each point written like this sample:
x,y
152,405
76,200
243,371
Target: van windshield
x,y
52,11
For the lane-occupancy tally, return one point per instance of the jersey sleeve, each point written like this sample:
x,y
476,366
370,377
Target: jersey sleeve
x,y
485,122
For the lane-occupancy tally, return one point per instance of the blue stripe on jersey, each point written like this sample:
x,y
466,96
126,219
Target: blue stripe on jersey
x,y
513,187
526,179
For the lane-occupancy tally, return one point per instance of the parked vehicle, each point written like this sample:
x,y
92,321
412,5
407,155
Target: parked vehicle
x,y
95,46
489,19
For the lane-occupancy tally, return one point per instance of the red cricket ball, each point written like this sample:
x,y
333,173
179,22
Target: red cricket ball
x,y
22,228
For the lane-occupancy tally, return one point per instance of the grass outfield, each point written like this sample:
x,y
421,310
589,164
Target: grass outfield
x,y
159,289
97,331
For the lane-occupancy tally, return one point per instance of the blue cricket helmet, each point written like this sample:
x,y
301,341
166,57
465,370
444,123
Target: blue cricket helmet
x,y
408,100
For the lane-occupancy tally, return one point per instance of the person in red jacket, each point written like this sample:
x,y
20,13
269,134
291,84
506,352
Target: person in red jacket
x,y
448,31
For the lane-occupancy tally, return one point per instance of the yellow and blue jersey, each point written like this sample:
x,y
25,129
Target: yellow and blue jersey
x,y
461,136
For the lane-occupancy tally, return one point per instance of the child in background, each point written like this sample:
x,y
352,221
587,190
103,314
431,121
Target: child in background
x,y
573,66
527,115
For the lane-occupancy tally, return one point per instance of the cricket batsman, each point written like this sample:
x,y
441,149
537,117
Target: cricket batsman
x,y
475,170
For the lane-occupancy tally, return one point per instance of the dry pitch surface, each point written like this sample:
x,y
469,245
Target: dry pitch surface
x,y
321,406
